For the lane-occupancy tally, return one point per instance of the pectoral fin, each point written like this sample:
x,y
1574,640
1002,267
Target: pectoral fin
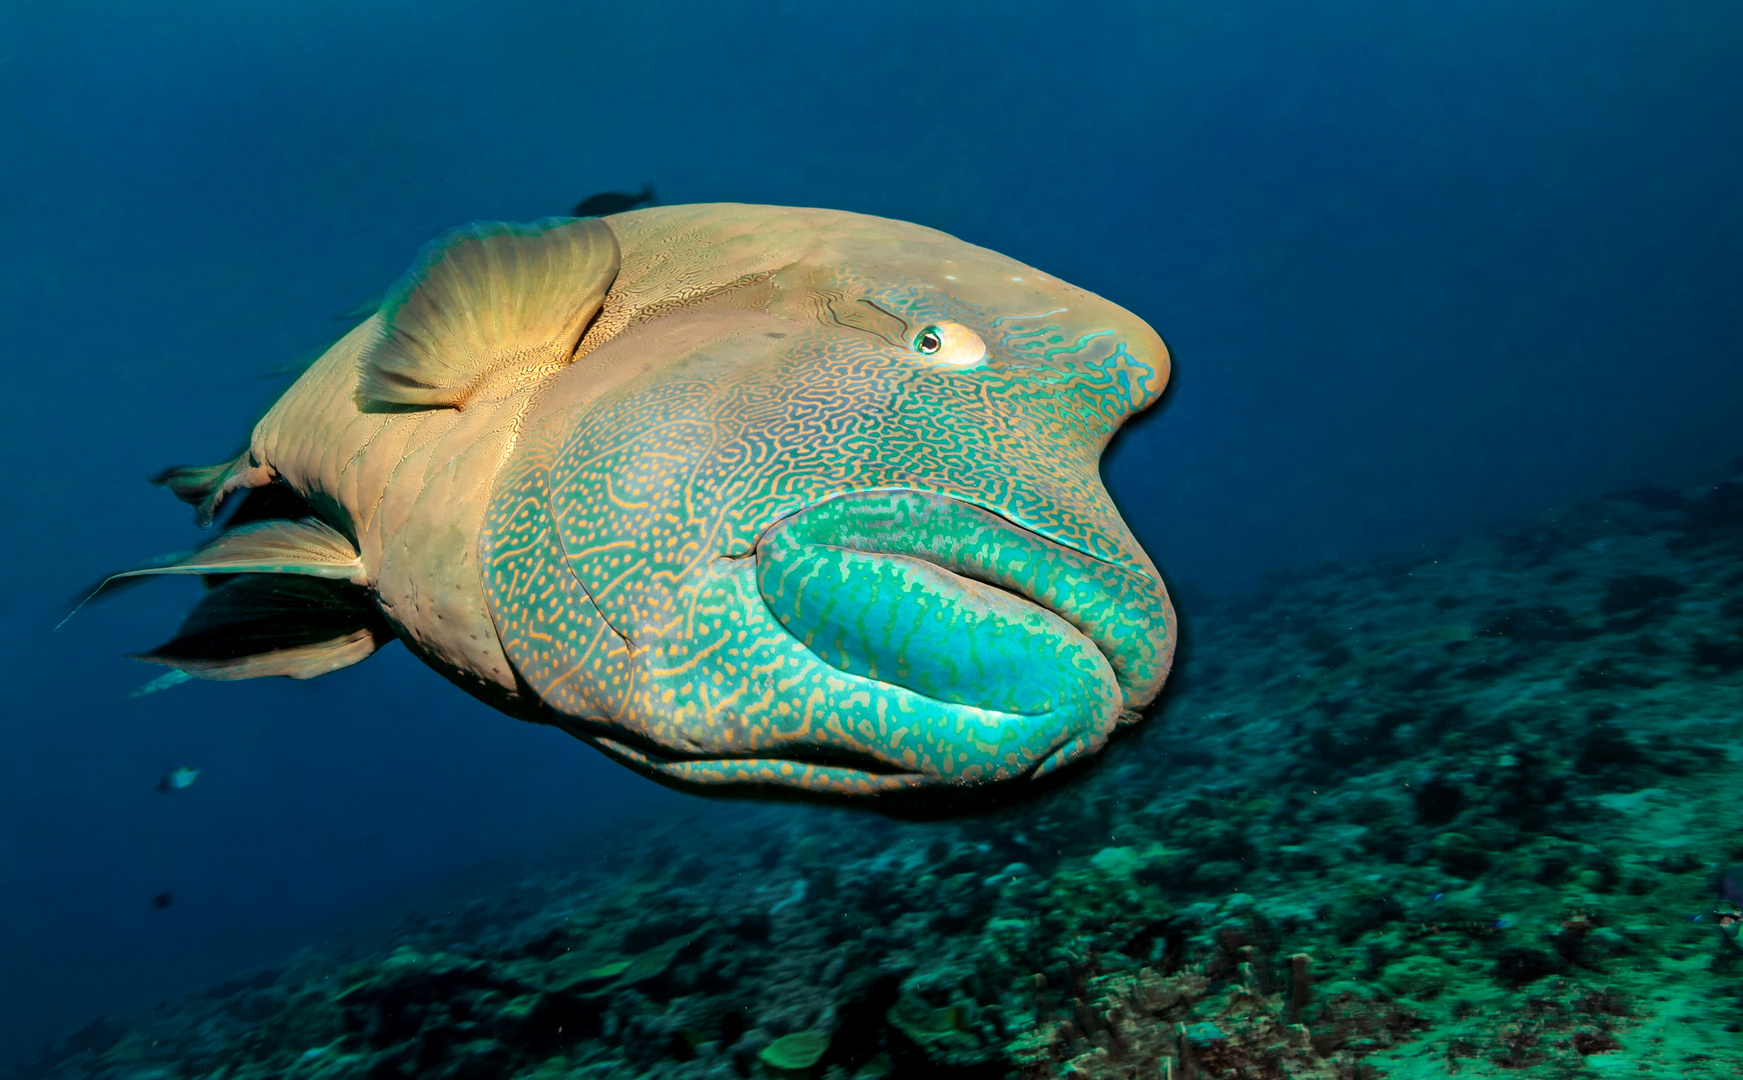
x,y
256,625
306,548
310,547
488,308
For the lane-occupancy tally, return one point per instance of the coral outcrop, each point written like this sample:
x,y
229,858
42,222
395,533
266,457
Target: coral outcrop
x,y
1458,814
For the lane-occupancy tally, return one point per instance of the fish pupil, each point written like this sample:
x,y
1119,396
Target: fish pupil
x,y
929,341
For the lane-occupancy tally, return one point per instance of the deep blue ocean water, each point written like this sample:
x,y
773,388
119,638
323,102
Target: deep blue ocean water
x,y
1425,268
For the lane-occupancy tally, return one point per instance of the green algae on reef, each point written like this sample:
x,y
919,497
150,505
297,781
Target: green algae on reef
x,y
1458,815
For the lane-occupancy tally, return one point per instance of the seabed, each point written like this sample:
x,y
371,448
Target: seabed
x,y
1452,815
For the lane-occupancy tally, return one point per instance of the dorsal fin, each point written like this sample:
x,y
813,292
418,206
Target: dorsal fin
x,y
489,307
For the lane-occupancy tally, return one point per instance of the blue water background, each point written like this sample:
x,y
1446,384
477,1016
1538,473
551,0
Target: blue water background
x,y
1426,267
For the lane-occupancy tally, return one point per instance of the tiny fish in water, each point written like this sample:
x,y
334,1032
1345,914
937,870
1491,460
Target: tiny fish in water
x,y
746,497
177,779
612,202
1728,913
1731,886
163,901
351,314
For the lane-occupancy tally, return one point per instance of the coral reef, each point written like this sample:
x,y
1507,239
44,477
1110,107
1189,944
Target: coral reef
x,y
1454,815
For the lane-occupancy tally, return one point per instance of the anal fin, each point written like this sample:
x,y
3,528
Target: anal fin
x,y
255,625
488,308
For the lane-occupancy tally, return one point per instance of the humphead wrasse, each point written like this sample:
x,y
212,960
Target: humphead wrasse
x,y
740,495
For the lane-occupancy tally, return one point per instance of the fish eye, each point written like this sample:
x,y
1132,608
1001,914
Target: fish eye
x,y
950,345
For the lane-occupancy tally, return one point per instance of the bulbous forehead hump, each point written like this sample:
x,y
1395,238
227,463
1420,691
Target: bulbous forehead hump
x,y
921,273
1044,336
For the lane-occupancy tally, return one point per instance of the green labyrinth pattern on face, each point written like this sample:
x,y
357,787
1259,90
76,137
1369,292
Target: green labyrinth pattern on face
x,y
802,555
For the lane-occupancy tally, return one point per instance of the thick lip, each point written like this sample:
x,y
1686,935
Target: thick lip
x,y
842,773
1088,594
968,570
1072,593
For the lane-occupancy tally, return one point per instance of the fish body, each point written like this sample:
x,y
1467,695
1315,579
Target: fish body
x,y
177,780
741,495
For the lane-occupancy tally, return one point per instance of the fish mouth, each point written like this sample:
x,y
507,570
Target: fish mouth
x,y
820,773
1031,651
940,646
868,552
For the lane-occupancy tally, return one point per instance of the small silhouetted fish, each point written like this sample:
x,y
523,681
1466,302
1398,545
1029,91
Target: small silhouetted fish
x,y
612,202
176,779
162,900
306,360
1728,912
355,313
1731,886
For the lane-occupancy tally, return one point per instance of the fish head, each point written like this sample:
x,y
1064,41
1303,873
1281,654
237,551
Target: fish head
x,y
837,525
995,382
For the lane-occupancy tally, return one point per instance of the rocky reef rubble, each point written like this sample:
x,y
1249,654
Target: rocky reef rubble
x,y
1457,814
